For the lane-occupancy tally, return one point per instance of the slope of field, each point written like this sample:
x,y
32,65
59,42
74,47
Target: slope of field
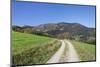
x,y
85,51
32,49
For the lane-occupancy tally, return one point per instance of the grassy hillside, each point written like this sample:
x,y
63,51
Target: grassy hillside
x,y
32,49
86,51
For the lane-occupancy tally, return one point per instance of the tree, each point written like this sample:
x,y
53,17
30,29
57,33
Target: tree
x,y
65,35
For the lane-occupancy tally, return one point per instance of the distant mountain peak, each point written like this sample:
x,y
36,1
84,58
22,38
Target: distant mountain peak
x,y
62,22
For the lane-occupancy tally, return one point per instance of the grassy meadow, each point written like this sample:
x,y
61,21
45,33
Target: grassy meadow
x,y
32,49
85,51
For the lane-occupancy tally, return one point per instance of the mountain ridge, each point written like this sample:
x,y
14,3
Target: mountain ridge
x,y
56,29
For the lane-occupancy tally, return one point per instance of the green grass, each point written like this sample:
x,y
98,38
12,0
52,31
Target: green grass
x,y
23,41
32,49
85,51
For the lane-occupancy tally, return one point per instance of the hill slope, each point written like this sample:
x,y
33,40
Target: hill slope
x,y
58,28
32,49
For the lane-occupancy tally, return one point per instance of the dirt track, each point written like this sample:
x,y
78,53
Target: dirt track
x,y
69,56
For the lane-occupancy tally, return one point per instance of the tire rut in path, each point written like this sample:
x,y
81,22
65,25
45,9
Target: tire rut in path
x,y
71,54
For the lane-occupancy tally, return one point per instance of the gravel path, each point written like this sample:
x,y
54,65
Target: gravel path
x,y
70,55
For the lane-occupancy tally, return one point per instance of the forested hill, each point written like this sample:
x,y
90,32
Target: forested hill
x,y
59,30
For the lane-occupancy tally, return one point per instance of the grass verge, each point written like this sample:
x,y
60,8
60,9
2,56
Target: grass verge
x,y
85,51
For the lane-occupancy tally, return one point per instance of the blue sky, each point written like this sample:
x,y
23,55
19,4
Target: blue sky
x,y
31,13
